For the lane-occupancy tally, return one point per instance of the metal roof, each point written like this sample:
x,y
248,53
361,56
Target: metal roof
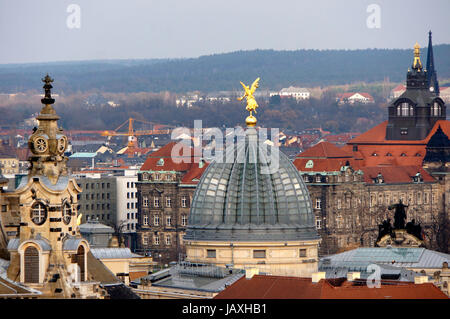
x,y
72,243
60,185
397,257
112,253
94,226
247,200
83,155
14,243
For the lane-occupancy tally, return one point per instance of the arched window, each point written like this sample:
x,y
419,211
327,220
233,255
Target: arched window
x,y
80,262
38,213
436,109
31,262
405,109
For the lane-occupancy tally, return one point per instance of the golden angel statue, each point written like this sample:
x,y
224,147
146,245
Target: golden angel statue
x,y
251,102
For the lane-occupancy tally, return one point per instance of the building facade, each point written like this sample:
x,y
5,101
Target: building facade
x,y
165,191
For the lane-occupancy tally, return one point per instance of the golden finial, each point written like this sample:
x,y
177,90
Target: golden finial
x,y
251,102
417,56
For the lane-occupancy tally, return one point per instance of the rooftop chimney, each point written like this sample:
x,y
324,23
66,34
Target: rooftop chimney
x,y
249,273
420,280
352,276
317,276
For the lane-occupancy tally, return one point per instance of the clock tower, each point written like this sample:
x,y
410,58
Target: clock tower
x,y
48,141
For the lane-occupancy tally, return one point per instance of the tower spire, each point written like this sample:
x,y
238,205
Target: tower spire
x,y
431,72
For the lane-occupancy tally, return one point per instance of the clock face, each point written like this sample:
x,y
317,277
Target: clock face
x,y
40,144
62,145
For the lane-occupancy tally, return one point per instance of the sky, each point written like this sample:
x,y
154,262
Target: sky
x,y
60,30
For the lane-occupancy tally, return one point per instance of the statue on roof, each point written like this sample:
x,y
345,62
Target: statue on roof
x,y
400,214
251,102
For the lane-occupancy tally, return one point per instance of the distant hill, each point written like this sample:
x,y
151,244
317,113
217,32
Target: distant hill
x,y
216,72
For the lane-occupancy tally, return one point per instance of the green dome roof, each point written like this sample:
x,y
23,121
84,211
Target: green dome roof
x,y
240,201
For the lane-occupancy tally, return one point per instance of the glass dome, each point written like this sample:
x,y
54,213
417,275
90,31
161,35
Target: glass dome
x,y
239,201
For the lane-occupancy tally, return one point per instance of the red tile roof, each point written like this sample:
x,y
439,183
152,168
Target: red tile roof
x,y
396,174
325,150
185,163
182,161
325,164
277,287
399,88
194,174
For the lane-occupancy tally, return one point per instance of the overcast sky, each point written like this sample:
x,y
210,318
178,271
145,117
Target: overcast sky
x,y
37,30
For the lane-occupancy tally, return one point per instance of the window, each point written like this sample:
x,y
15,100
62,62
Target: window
x,y
168,202
4,208
183,201
167,239
160,162
156,202
318,179
156,220
302,253
66,214
168,177
128,195
259,254
318,203
107,195
103,185
128,215
339,203
144,240
87,186
145,201
107,186
436,109
128,184
168,220
128,205
426,197
38,213
318,223
156,177
183,220
156,240
145,220
210,253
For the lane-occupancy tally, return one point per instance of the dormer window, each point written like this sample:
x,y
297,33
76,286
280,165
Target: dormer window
x,y
379,179
160,162
374,154
389,154
403,154
418,155
418,178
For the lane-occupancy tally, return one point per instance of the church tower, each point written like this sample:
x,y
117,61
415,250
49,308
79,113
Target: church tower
x,y
46,250
413,114
431,72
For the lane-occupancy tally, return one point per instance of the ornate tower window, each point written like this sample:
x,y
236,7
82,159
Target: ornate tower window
x,y
38,213
66,213
436,109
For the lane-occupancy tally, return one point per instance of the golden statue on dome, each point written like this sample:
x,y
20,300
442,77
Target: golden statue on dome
x,y
251,102
417,63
